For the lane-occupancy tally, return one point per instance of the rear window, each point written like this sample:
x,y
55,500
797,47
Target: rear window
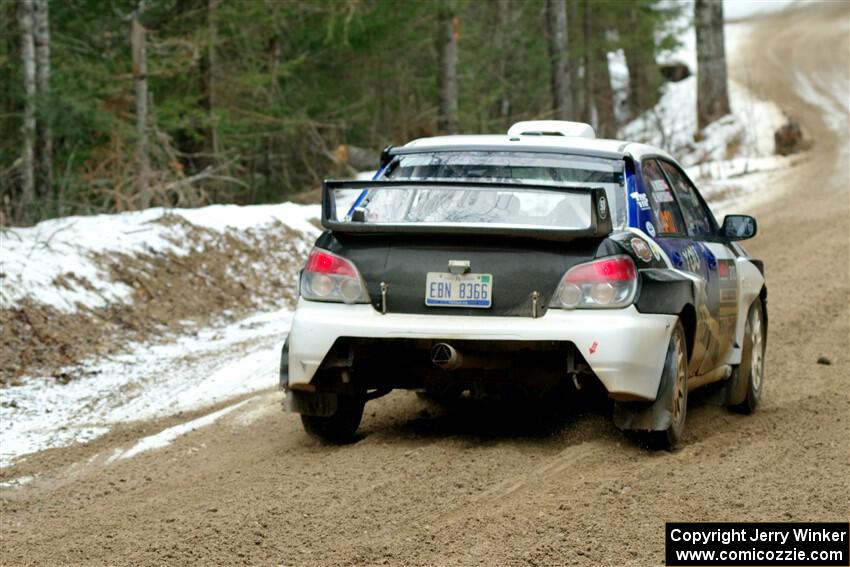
x,y
446,205
519,167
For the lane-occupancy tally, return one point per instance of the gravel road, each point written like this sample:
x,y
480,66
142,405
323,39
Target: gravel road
x,y
481,486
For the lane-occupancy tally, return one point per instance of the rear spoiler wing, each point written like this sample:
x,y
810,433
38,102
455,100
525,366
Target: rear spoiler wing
x,y
600,212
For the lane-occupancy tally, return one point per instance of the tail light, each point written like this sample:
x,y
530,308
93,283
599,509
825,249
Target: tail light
x,y
602,284
328,277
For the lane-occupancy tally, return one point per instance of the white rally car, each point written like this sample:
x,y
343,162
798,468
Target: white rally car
x,y
526,265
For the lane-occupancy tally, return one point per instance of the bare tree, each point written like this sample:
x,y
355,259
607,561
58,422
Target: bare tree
x,y
588,108
575,48
45,136
502,42
25,22
140,83
209,71
598,75
556,19
712,91
449,33
603,94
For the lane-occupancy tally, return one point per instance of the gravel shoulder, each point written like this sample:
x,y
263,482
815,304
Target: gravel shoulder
x,y
476,485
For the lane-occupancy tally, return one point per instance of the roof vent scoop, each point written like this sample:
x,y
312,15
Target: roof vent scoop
x,y
552,128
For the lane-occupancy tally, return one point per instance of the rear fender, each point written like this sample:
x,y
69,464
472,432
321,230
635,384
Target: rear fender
x,y
675,292
665,291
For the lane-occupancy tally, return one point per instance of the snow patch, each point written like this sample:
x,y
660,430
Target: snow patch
x,y
166,436
672,125
53,263
17,482
739,9
150,381
731,160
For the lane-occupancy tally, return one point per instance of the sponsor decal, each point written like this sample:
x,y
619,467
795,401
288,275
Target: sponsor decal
x,y
602,207
650,229
641,199
592,348
691,259
659,185
656,251
662,197
661,191
726,269
641,249
728,297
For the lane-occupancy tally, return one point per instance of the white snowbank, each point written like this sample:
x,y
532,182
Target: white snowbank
x,y
739,9
672,125
731,159
33,258
166,436
17,482
150,381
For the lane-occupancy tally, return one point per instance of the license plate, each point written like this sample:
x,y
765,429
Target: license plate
x,y
458,290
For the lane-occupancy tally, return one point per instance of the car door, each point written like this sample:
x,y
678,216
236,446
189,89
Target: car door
x,y
719,259
688,255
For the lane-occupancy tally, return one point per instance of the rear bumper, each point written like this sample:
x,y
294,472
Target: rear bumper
x,y
625,348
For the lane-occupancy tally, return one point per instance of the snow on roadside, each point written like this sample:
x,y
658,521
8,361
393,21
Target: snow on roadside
x,y
672,123
151,381
65,264
34,259
731,160
166,436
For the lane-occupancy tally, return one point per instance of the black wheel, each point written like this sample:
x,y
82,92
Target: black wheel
x,y
340,427
673,393
748,377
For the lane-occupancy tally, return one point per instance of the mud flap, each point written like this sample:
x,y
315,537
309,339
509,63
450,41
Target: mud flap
x,y
649,416
738,384
283,378
311,403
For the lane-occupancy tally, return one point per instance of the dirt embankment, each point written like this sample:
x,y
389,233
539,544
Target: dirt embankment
x,y
474,486
224,276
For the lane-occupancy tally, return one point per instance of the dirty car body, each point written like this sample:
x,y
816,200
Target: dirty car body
x,y
525,265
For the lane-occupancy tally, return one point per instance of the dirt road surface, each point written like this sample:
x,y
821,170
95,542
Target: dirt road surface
x,y
476,486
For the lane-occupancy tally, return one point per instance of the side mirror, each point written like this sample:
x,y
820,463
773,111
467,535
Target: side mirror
x,y
738,227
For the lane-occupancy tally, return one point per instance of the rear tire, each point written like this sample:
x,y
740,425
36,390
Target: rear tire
x,y
751,368
340,427
673,393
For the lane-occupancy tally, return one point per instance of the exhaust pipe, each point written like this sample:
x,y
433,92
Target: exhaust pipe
x,y
446,357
